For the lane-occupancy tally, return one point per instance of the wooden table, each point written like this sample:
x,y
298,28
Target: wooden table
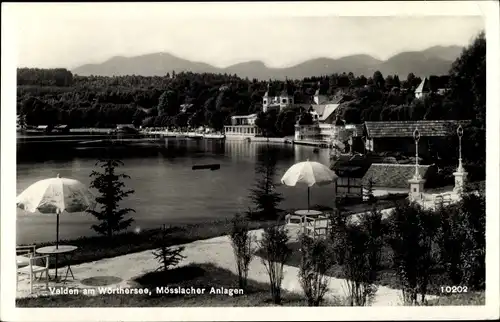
x,y
65,250
309,213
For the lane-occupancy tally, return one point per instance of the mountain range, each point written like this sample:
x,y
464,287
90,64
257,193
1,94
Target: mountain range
x,y
435,60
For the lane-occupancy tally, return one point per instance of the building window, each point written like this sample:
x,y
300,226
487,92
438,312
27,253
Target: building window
x,y
265,101
283,100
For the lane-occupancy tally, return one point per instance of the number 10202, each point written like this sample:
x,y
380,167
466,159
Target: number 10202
x,y
453,289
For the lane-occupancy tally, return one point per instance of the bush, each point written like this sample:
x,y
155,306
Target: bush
x,y
461,239
450,239
356,268
241,240
337,235
473,215
411,239
167,256
316,261
362,248
368,193
375,229
274,245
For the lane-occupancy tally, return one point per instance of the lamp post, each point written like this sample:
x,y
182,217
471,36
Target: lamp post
x,y
416,136
460,174
460,133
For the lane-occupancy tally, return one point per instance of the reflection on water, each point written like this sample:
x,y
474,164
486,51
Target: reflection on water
x,y
167,191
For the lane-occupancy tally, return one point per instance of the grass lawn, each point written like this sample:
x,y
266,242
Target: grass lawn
x,y
99,247
197,276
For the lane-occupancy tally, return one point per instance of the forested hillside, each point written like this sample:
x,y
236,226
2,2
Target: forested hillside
x,y
189,99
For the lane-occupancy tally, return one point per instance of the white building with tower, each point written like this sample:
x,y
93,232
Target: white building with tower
x,y
321,108
281,101
243,126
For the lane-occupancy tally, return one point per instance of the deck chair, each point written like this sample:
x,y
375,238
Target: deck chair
x,y
26,261
23,254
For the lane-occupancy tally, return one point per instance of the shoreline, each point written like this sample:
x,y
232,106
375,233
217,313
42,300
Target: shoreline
x,y
107,134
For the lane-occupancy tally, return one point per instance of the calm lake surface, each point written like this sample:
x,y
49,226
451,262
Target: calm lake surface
x,y
167,190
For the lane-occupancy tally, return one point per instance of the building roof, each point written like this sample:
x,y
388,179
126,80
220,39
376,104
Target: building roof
x,y
318,108
406,128
322,99
328,110
243,116
62,126
394,175
352,166
423,87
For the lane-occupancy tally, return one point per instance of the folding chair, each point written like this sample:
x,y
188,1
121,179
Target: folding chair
x,y
26,264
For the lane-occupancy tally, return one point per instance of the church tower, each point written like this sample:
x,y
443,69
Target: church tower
x,y
285,99
318,98
266,100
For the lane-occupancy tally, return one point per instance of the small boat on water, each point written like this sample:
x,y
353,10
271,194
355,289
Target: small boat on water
x,y
214,136
211,167
195,136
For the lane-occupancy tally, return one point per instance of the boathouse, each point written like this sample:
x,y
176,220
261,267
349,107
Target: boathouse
x,y
397,136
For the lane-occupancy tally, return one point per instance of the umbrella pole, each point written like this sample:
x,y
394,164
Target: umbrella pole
x,y
57,231
308,198
57,239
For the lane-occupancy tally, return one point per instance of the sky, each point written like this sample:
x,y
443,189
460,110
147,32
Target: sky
x,y
57,35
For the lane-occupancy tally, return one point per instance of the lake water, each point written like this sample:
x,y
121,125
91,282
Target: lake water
x,y
167,190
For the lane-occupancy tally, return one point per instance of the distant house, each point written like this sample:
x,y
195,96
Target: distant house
x,y
442,91
20,122
63,128
185,107
398,136
323,116
394,177
44,128
126,128
242,126
437,85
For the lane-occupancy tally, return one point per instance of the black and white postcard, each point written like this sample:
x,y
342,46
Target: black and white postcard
x,y
250,161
